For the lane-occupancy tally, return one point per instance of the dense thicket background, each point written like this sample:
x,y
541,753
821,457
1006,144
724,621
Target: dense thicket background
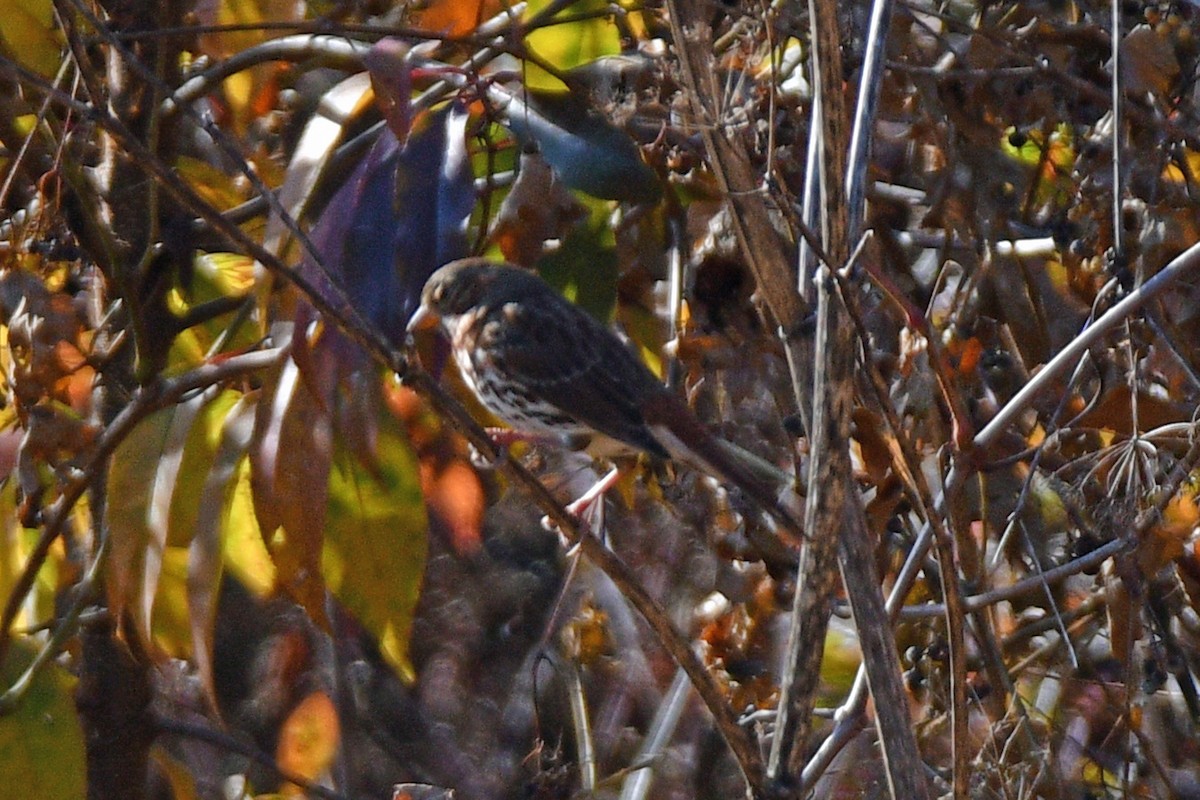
x,y
240,556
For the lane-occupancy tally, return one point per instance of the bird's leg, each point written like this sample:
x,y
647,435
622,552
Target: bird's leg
x,y
588,508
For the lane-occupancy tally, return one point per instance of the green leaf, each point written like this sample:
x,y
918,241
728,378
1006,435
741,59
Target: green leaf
x,y
197,461
584,269
41,742
569,44
160,498
131,480
375,539
216,493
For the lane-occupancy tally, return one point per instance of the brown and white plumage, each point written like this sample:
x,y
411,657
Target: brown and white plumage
x,y
545,366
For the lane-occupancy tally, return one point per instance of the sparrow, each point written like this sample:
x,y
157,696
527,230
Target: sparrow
x,y
546,367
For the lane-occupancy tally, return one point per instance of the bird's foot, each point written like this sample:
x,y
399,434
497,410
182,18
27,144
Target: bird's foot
x,y
486,461
505,438
588,508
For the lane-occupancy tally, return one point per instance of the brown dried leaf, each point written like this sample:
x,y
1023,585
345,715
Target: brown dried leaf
x,y
1148,63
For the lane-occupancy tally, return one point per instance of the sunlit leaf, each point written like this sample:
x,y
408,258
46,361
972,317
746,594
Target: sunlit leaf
x,y
454,17
170,625
1055,156
1166,541
246,555
205,551
568,45
197,459
228,275
215,276
375,540
842,660
218,188
1175,173
244,91
162,490
41,741
321,135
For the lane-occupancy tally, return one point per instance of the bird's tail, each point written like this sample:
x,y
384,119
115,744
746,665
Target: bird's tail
x,y
771,488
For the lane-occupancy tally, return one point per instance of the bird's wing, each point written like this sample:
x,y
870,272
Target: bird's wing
x,y
568,359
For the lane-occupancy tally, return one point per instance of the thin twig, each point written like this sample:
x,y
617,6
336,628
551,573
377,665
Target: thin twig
x,y
1066,358
1118,230
738,740
585,746
908,467
373,343
224,741
850,715
662,727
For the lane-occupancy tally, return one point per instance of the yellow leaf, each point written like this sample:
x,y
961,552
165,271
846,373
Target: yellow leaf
x,y
170,623
215,186
375,545
570,44
183,785
41,741
197,459
245,554
28,34
1174,173
230,274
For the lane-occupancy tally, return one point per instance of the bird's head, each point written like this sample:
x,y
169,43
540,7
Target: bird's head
x,y
463,286
451,291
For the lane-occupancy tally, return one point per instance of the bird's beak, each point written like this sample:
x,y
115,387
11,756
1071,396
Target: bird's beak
x,y
423,319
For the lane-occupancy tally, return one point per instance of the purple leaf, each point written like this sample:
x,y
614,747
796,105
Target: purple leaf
x,y
401,214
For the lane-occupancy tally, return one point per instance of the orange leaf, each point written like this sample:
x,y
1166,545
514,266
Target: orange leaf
x,y
456,17
1164,542
458,500
308,740
968,360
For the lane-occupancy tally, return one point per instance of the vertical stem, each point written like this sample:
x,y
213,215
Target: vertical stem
x,y
1118,235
